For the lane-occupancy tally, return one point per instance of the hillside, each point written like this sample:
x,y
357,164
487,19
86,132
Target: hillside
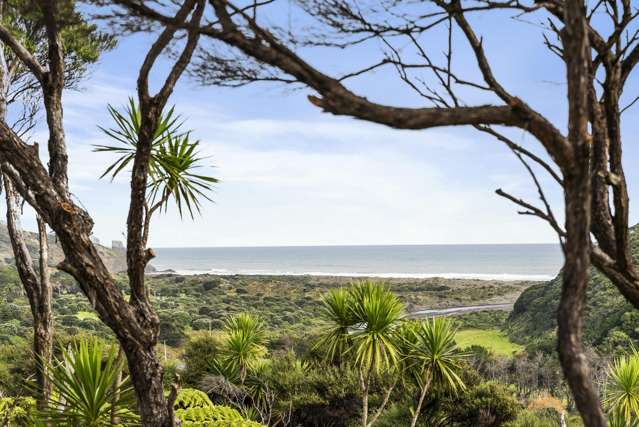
x,y
114,259
610,320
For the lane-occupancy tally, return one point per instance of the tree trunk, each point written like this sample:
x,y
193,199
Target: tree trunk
x,y
420,402
43,322
380,410
147,375
578,202
364,384
38,290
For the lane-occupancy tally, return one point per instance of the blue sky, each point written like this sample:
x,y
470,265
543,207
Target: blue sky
x,y
292,175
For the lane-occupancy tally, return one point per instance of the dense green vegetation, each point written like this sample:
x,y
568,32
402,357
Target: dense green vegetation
x,y
611,322
271,367
292,350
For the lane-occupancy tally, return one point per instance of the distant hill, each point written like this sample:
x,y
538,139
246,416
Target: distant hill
x,y
115,259
610,320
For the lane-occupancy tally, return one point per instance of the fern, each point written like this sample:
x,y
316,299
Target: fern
x,y
195,409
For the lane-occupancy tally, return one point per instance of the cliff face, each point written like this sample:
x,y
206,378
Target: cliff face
x,y
608,315
115,259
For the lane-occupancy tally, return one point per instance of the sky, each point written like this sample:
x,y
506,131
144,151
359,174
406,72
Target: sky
x,y
292,175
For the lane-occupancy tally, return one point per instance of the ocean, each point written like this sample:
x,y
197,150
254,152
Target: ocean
x,y
495,262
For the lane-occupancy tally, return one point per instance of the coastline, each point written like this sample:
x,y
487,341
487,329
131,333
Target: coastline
x,y
496,277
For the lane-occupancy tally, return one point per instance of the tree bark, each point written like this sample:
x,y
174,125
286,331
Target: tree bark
x,y
147,378
365,385
420,402
38,291
578,202
43,326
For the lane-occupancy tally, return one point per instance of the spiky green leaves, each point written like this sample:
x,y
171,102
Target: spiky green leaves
x,y
362,321
431,353
173,163
336,337
87,387
622,387
244,344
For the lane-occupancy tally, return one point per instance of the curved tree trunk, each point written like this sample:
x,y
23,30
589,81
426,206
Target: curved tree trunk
x,y
578,202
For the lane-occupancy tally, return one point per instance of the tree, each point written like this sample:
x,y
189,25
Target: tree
x,y
432,357
362,329
173,161
19,96
243,345
488,404
585,162
133,320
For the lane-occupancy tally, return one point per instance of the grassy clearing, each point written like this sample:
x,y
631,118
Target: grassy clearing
x,y
84,315
492,339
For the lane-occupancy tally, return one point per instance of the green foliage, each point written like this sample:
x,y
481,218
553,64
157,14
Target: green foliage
x,y
172,329
313,394
376,312
173,162
431,353
195,409
336,338
243,345
16,365
539,418
488,404
85,387
617,419
622,386
492,339
17,411
197,356
534,314
361,322
488,319
82,42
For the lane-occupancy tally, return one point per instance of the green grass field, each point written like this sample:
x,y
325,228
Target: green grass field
x,y
492,339
83,315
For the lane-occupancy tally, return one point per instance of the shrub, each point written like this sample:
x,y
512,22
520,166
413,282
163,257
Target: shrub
x,y
198,353
17,411
195,409
211,284
540,418
489,404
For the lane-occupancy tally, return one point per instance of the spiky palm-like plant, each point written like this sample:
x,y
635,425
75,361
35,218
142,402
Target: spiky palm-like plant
x,y
622,386
376,311
432,357
335,340
619,420
173,162
244,343
363,321
87,388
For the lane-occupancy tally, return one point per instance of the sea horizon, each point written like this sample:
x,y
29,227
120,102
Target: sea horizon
x,y
507,262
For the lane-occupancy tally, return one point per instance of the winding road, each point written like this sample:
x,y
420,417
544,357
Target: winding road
x,y
459,310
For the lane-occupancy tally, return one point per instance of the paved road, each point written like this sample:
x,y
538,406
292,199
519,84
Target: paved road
x,y
459,310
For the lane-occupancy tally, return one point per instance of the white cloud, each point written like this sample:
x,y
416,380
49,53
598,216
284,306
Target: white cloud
x,y
319,180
